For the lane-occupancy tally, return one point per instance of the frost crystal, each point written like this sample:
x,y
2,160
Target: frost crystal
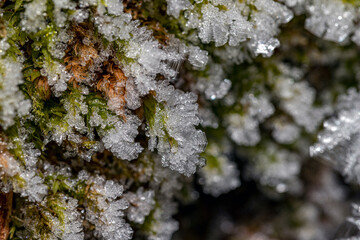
x,y
34,187
106,210
331,19
215,86
8,164
141,203
285,132
71,227
34,16
220,175
57,76
64,221
176,138
298,99
120,139
352,232
12,101
175,6
198,57
164,226
225,22
338,142
277,168
243,129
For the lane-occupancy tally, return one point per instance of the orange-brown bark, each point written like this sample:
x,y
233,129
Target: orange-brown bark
x,y
112,84
79,56
5,214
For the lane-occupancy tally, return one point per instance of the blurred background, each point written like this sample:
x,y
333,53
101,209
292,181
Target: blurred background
x,y
314,200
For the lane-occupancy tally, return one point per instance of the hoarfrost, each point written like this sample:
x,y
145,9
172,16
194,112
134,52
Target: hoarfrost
x,y
12,101
34,19
175,6
142,203
220,175
339,140
243,128
120,140
297,99
330,19
177,140
107,214
277,168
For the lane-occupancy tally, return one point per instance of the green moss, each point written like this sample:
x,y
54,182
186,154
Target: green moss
x,y
18,4
150,110
222,7
96,103
119,47
19,181
53,204
153,108
45,112
212,162
149,221
352,2
13,137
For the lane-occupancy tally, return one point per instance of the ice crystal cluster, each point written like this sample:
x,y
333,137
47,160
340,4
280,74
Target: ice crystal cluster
x,y
115,112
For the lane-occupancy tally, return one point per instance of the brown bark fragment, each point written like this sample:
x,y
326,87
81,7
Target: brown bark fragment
x,y
4,154
82,61
80,57
5,213
113,85
3,161
43,87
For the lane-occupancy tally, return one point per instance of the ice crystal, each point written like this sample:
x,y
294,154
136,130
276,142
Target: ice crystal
x,y
175,6
58,44
64,222
164,226
220,174
12,101
298,99
284,131
34,188
8,163
352,232
142,203
70,224
208,118
29,183
277,168
107,212
243,129
34,16
215,86
224,22
120,139
57,76
332,20
338,141
297,5
176,138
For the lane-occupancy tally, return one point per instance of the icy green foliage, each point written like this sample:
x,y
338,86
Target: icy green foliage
x,y
169,125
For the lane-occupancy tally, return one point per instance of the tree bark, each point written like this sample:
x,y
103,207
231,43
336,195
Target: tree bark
x,y
5,214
